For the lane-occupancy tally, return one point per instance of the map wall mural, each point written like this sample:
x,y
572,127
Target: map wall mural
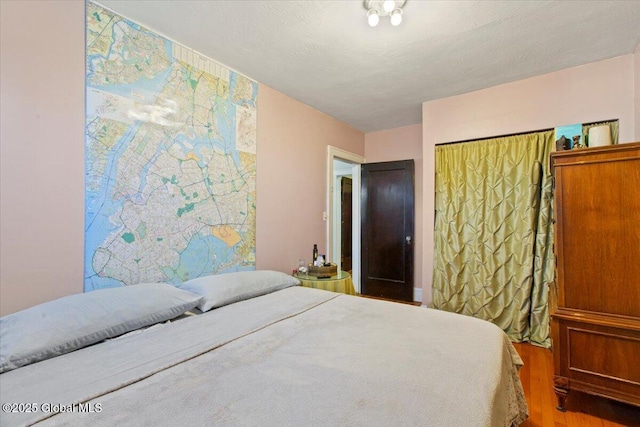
x,y
170,159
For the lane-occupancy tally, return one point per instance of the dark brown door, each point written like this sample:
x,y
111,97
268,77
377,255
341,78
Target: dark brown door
x,y
387,229
346,221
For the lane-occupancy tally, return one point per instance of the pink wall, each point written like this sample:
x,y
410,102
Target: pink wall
x,y
636,72
402,143
42,146
592,92
42,155
292,177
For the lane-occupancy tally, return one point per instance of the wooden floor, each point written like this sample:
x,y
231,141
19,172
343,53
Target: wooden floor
x,y
583,410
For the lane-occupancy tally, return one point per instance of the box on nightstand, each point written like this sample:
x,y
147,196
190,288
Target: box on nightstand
x,y
323,272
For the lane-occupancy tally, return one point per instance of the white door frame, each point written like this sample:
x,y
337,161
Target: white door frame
x,y
356,160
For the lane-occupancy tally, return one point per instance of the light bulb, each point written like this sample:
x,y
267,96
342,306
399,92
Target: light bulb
x,y
388,5
373,18
396,17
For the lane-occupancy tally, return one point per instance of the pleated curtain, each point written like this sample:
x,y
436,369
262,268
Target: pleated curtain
x,y
494,233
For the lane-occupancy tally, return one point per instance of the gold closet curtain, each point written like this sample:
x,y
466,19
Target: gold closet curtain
x,y
494,234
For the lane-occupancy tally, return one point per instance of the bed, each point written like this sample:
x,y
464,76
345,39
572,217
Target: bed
x,y
281,355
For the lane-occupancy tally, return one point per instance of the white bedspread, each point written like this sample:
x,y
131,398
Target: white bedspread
x,y
296,357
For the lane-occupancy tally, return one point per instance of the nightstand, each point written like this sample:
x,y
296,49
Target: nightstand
x,y
339,283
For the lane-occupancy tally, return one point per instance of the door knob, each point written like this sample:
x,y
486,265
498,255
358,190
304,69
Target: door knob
x,y
408,239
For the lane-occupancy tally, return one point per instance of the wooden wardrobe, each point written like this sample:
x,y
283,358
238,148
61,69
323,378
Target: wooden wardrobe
x,y
595,324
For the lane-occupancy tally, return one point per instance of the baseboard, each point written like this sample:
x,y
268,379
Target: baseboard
x,y
417,294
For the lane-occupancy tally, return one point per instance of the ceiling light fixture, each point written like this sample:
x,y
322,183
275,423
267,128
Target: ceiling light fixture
x,y
388,5
377,8
373,17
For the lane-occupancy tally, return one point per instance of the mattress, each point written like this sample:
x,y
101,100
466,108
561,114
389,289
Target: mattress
x,y
298,356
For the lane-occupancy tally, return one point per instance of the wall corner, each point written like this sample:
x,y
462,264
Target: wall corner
x,y
636,92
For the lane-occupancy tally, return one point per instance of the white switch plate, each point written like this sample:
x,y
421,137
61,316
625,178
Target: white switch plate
x,y
324,216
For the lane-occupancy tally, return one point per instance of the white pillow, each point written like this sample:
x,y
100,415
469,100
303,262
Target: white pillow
x,y
69,323
223,289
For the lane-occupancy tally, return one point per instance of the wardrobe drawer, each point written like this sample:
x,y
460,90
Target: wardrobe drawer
x,y
599,359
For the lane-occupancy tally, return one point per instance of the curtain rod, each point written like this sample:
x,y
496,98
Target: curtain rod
x,y
517,133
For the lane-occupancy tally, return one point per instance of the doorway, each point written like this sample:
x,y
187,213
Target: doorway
x,y
346,222
343,164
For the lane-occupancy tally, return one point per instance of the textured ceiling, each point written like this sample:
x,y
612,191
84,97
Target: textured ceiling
x,y
324,54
